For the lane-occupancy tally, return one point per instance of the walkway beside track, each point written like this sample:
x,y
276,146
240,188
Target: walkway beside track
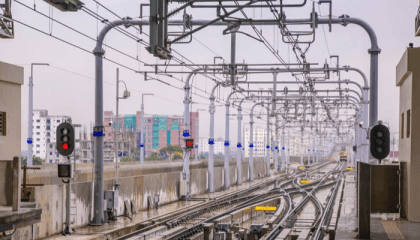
x,y
380,229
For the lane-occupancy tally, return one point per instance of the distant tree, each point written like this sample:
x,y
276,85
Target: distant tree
x,y
127,159
35,160
153,156
173,152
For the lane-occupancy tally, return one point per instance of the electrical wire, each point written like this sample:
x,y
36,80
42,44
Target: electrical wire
x,y
85,35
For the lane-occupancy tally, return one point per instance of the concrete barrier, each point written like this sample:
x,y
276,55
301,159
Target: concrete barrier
x,y
137,183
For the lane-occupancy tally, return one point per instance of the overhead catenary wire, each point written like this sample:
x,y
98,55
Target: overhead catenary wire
x,y
87,36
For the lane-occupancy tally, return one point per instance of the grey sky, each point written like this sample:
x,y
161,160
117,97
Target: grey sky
x,y
71,91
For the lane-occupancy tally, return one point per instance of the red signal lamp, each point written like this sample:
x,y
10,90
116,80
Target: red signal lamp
x,y
64,146
189,143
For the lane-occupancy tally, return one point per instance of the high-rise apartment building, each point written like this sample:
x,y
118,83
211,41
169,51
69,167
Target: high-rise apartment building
x,y
259,142
44,132
219,146
159,130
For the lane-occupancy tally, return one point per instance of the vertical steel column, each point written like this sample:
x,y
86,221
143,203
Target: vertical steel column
x,y
227,154
232,57
373,87
313,149
142,145
251,148
288,149
267,154
365,144
68,229
30,121
309,150
196,139
239,148
186,134
283,149
98,198
276,148
274,93
301,147
29,159
212,109
251,143
116,135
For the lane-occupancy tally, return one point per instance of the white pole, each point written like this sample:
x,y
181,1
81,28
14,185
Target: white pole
x,y
212,109
116,135
196,139
30,122
239,149
227,153
267,154
251,147
283,149
142,145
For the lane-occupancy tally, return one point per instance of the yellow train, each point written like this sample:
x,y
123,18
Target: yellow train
x,y
343,155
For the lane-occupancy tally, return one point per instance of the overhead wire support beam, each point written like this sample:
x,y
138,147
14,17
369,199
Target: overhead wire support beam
x,y
212,21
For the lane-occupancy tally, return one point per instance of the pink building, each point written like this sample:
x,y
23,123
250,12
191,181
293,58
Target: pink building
x,y
159,130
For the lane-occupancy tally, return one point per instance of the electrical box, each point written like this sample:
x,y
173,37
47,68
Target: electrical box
x,y
109,196
64,171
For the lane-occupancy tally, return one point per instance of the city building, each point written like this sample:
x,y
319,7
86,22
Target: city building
x,y
159,130
259,142
219,146
44,131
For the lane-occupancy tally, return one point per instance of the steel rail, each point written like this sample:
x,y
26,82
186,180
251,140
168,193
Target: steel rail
x,y
289,220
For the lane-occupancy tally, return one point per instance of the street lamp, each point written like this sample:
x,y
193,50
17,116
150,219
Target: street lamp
x,y
31,113
196,135
126,94
142,147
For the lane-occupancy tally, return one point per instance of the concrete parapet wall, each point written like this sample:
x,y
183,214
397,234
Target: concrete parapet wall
x,y
137,183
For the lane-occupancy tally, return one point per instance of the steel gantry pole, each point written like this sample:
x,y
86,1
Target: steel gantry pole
x,y
226,144
276,148
98,133
301,147
186,131
251,142
197,136
31,114
283,149
116,135
212,110
267,154
142,130
239,146
288,149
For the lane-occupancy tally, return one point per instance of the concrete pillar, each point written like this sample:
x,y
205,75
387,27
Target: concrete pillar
x,y
16,184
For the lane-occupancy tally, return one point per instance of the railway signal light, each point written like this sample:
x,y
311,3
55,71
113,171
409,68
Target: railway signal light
x,y
65,139
379,142
189,143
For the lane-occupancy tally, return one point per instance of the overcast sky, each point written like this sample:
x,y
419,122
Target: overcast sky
x,y
67,86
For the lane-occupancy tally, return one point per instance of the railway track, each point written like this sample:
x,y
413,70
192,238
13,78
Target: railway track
x,y
295,199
